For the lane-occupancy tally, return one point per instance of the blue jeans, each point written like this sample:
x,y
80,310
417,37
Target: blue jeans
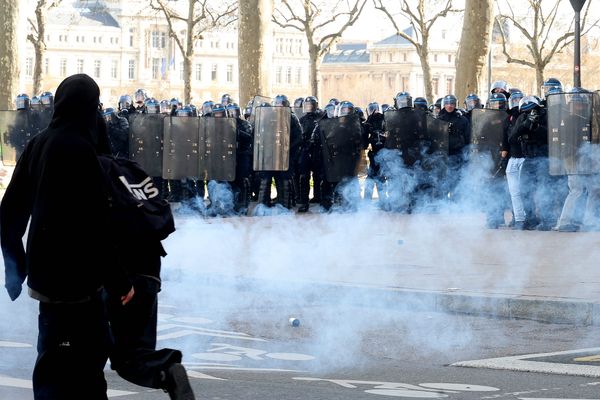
x,y
513,177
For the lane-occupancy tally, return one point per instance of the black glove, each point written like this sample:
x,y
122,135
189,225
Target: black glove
x,y
501,167
123,123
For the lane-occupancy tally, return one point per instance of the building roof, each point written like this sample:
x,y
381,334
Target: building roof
x,y
70,14
397,40
348,53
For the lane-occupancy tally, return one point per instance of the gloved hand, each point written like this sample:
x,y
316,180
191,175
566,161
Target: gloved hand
x,y
14,289
123,123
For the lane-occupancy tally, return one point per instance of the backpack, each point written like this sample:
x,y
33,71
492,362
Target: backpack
x,y
136,208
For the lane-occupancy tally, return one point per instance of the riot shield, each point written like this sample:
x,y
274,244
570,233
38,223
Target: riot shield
x,y
341,142
437,135
217,149
272,138
298,111
570,133
146,141
258,101
487,132
180,157
404,127
16,130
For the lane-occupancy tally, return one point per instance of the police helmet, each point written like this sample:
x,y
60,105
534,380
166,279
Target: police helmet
x,y
124,102
449,99
310,104
233,110
420,103
403,100
298,102
500,86
47,99
108,113
175,103
248,109
578,98
361,114
334,101
281,100
207,107
528,103
152,106
35,103
345,108
165,107
497,101
22,102
373,108
226,99
549,84
384,107
140,96
219,111
330,110
184,111
514,99
472,101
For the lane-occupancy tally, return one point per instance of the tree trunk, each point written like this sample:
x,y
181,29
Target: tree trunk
x,y
423,53
313,55
9,53
254,57
474,46
188,57
539,78
38,76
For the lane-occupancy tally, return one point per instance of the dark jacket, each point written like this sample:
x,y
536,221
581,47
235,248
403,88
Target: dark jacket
x,y
527,138
58,182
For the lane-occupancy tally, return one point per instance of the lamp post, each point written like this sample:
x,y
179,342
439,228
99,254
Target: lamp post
x,y
577,6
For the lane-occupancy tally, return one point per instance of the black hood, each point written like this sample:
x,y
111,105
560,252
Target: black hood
x,y
76,103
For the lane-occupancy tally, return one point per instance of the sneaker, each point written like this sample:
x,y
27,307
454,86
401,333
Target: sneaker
x,y
519,226
177,383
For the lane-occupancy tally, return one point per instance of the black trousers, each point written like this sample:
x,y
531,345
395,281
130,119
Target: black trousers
x,y
73,345
134,355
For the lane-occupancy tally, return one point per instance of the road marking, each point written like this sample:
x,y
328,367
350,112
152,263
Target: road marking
x,y
27,384
548,398
4,343
200,375
595,358
522,363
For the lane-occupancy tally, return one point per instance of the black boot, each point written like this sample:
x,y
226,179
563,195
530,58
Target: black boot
x,y
177,384
264,192
303,190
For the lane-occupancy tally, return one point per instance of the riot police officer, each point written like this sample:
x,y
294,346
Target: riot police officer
x,y
118,132
140,96
305,165
550,85
420,103
243,170
125,105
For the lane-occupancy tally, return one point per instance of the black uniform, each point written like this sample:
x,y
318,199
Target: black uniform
x,y
243,169
374,130
305,163
459,130
59,184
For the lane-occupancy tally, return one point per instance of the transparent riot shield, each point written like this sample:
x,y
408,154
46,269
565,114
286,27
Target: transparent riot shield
x,y
487,132
570,133
217,149
272,138
341,142
16,130
258,101
437,134
404,127
146,141
180,157
298,111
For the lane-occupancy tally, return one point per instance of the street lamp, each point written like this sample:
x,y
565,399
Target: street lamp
x,y
577,6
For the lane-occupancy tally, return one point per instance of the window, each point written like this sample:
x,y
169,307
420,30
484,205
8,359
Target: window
x,y
198,72
278,75
299,75
450,85
155,68
163,40
131,69
97,68
435,58
47,65
181,71
443,34
63,67
155,40
377,57
80,66
230,73
288,75
391,55
159,40
29,66
405,57
435,83
213,72
131,33
449,58
83,39
405,87
114,69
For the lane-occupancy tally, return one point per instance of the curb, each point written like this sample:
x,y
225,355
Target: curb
x,y
551,310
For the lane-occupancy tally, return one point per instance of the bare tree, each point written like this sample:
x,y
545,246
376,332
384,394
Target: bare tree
x,y
202,16
539,27
253,30
421,18
474,45
323,23
9,53
38,39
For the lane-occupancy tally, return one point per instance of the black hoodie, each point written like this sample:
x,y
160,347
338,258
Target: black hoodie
x,y
58,183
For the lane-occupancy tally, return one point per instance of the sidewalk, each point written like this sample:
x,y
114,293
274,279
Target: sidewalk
x,y
441,262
